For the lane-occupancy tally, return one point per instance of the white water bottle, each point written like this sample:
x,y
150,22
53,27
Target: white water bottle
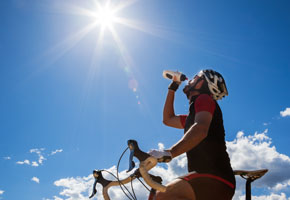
x,y
171,74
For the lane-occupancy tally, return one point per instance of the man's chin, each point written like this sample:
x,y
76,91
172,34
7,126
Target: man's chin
x,y
187,94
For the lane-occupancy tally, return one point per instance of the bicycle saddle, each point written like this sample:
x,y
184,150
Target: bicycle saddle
x,y
253,175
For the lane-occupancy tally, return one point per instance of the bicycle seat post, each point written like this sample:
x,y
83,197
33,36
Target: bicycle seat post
x,y
250,176
249,189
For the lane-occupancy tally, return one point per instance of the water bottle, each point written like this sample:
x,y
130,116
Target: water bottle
x,y
171,74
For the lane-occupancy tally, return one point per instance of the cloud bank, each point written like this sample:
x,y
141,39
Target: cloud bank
x,y
256,152
250,152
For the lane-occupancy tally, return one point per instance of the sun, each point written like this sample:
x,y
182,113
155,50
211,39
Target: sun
x,y
102,17
105,16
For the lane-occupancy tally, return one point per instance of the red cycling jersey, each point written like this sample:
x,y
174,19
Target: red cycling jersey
x,y
203,103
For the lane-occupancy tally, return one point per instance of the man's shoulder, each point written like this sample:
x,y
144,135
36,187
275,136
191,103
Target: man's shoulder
x,y
205,102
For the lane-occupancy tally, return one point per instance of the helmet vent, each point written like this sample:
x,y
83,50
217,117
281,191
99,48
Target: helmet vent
x,y
215,83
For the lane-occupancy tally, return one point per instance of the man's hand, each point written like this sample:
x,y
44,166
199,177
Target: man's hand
x,y
161,155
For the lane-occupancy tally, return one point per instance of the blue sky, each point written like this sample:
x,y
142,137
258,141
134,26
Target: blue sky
x,y
72,95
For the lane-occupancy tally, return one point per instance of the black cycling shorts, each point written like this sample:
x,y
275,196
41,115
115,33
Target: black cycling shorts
x,y
209,187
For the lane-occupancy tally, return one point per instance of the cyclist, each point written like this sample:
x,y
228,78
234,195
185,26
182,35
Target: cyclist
x,y
210,173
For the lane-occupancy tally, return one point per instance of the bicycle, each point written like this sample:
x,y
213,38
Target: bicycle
x,y
147,162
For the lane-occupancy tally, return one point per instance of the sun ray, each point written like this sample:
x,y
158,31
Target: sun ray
x,y
121,47
60,49
65,8
70,42
157,31
133,84
124,4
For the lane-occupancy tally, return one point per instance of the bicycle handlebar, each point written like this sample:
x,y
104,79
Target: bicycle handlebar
x,y
107,184
147,162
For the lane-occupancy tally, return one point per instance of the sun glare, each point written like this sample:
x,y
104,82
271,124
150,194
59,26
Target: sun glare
x,y
105,16
102,19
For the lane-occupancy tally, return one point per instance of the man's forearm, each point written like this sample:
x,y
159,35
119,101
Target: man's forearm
x,y
190,139
168,110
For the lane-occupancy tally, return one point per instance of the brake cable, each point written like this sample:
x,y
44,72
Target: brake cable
x,y
143,184
131,166
133,189
120,183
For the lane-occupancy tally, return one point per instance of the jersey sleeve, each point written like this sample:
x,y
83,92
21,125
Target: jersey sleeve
x,y
204,103
182,119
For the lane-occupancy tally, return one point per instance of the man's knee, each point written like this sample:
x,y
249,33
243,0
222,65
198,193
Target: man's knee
x,y
161,196
178,189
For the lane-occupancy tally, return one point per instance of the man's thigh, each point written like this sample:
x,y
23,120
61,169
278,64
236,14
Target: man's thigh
x,y
177,190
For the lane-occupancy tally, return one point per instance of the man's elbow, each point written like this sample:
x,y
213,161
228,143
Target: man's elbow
x,y
168,121
165,122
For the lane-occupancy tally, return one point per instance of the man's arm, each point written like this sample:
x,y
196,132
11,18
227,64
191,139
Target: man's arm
x,y
195,134
169,117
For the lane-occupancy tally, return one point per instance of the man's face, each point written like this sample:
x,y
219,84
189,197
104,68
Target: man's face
x,y
195,83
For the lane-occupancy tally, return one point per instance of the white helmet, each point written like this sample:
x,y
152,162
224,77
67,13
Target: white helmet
x,y
215,82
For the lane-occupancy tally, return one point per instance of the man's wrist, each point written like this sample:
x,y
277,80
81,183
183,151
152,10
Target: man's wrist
x,y
173,86
170,151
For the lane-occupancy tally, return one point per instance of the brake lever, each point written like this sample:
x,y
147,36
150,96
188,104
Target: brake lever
x,y
94,189
96,175
131,162
99,179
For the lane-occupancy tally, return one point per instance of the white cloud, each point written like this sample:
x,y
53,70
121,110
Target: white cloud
x,y
160,146
34,164
40,154
56,151
7,158
27,162
41,158
282,186
1,192
272,196
35,179
57,198
246,152
74,188
285,113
